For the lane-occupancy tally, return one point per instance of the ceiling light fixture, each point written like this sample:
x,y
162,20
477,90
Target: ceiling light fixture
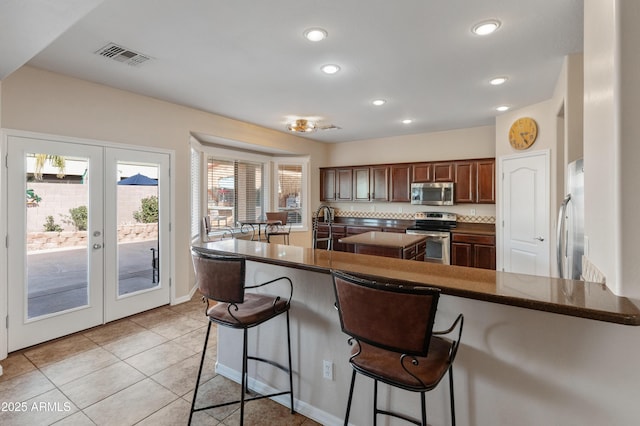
x,y
302,125
407,121
497,81
502,108
486,27
330,68
315,34
379,102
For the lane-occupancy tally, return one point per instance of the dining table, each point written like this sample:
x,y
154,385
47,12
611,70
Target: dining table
x,y
259,224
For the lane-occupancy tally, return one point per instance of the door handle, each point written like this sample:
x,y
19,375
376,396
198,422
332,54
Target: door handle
x,y
97,246
539,238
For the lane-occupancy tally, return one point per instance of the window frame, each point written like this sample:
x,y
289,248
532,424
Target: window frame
x,y
305,195
271,165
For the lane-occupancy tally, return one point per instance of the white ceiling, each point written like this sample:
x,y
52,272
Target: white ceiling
x,y
248,60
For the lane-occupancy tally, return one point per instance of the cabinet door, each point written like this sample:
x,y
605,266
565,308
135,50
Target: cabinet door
x,y
486,178
465,180
361,190
344,182
379,184
400,187
484,256
461,254
422,172
327,185
442,172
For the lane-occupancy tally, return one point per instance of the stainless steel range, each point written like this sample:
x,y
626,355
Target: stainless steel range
x,y
436,226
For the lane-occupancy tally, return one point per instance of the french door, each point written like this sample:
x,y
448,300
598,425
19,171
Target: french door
x,y
82,249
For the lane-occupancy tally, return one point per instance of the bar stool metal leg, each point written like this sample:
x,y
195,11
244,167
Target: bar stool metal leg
x,y
353,381
195,392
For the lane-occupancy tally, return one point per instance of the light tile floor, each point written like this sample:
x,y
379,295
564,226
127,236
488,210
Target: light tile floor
x,y
138,370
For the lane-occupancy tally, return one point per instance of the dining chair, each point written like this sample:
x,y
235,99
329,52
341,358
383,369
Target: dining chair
x,y
221,279
278,229
391,330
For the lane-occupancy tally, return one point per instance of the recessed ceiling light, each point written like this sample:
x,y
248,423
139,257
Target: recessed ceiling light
x,y
330,68
407,121
379,102
315,34
498,81
502,108
486,27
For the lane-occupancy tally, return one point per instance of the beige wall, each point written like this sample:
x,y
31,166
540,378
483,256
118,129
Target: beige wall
x,y
477,142
41,101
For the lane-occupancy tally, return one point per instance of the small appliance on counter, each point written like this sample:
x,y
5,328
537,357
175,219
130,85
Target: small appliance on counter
x,y
436,226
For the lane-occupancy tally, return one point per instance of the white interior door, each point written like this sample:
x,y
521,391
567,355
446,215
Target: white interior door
x,y
525,213
137,244
54,276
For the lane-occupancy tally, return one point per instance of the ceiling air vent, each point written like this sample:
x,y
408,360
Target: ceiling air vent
x,y
120,54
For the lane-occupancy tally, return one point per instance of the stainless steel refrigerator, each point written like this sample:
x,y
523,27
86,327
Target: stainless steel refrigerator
x,y
570,238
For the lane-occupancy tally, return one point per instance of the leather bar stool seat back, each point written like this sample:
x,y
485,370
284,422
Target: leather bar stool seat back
x,y
391,331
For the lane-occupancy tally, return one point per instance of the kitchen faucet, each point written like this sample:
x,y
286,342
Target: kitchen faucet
x,y
328,218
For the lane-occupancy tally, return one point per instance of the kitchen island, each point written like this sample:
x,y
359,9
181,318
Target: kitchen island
x,y
519,361
388,244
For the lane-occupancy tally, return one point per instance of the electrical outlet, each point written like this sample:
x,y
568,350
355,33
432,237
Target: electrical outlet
x,y
327,370
473,212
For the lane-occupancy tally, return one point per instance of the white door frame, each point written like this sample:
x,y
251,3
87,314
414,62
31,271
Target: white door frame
x,y
4,135
119,306
546,154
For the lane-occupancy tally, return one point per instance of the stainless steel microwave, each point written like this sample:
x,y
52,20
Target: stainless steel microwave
x,y
432,193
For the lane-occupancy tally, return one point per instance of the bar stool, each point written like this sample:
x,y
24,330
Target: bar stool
x,y
222,279
391,331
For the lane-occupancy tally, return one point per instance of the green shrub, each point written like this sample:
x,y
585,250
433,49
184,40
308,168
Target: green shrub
x,y
78,218
51,226
148,212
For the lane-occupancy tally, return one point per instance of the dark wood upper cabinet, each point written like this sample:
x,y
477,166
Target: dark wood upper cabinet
x,y
400,182
475,181
379,183
465,180
422,172
344,182
361,191
486,176
327,184
443,172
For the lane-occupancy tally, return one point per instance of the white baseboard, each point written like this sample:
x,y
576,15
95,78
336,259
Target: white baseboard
x,y
301,407
187,297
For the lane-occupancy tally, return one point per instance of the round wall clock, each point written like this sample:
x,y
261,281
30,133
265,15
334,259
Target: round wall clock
x,y
523,133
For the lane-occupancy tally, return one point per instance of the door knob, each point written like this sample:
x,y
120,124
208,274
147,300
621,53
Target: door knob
x,y
539,238
97,246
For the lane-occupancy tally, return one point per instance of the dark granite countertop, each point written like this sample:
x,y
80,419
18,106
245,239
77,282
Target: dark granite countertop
x,y
567,297
384,239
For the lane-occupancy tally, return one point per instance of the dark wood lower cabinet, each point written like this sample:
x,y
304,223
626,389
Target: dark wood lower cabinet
x,y
476,251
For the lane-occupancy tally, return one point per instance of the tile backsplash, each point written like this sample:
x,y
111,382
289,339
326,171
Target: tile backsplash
x,y
407,216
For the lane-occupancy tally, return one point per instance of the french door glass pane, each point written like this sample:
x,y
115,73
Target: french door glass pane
x,y
137,220
56,208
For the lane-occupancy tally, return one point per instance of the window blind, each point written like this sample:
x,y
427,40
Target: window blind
x,y
195,193
234,191
290,191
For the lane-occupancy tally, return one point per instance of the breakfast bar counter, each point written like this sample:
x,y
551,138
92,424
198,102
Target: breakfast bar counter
x,y
534,350
575,298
